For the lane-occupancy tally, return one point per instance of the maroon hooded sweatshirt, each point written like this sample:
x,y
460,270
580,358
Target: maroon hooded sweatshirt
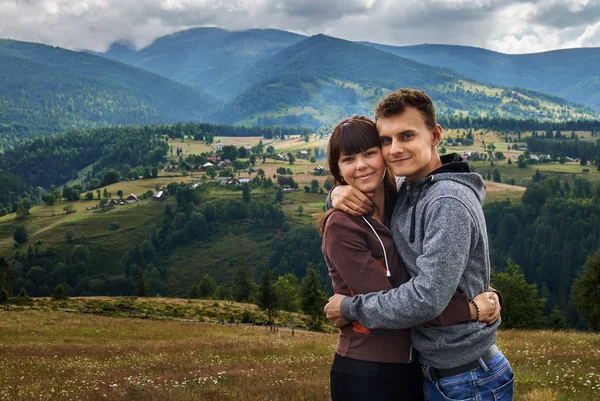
x,y
357,265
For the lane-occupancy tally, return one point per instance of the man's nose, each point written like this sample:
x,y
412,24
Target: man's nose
x,y
396,147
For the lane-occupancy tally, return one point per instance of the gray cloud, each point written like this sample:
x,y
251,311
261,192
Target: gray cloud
x,y
510,26
559,14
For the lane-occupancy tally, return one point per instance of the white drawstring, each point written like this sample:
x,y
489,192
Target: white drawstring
x,y
387,268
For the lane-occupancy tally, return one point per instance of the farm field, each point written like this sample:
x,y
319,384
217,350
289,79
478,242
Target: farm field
x,y
53,355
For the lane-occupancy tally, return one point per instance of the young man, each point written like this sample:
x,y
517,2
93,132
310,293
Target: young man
x,y
439,230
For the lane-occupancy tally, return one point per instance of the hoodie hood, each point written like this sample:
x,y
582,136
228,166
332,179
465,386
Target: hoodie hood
x,y
453,168
456,169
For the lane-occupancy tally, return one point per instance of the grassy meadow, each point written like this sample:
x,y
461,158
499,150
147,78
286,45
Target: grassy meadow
x,y
55,355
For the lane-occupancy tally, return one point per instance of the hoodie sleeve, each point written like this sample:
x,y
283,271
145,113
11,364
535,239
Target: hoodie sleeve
x,y
450,235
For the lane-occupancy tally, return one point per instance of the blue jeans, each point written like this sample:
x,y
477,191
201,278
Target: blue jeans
x,y
492,382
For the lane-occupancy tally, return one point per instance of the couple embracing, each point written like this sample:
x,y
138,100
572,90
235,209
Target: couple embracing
x,y
409,263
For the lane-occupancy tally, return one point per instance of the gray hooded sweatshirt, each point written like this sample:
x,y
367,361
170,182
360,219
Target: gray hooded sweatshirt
x,y
439,230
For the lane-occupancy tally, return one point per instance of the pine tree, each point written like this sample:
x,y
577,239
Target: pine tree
x,y
556,320
279,195
207,287
6,276
585,292
267,296
312,296
60,293
522,307
246,193
4,296
241,282
171,285
496,175
141,283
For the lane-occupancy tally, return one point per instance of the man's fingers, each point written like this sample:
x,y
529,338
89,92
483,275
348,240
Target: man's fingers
x,y
349,211
361,198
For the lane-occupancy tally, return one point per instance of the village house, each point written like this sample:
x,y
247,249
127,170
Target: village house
x,y
219,146
212,159
224,180
196,184
109,204
206,165
159,196
244,180
131,198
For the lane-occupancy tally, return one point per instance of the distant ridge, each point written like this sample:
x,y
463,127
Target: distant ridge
x,y
323,79
198,56
573,74
49,89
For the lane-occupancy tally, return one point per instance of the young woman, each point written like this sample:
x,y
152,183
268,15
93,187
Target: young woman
x,y
360,253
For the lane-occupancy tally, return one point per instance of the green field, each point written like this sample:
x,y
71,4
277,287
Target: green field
x,y
53,355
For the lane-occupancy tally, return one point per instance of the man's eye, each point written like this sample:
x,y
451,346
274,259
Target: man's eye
x,y
385,140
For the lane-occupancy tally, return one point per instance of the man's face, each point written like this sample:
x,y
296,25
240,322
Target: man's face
x,y
408,146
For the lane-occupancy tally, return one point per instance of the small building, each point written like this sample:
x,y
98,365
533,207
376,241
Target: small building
x,y
244,180
159,196
109,204
224,180
219,145
131,198
212,159
196,184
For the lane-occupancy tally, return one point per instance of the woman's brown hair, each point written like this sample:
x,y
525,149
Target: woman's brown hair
x,y
354,135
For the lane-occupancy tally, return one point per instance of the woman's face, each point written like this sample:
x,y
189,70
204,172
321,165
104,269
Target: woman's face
x,y
365,170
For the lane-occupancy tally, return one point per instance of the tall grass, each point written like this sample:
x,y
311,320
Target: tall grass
x,y
51,355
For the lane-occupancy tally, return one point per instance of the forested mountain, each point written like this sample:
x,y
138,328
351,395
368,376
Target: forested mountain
x,y
48,89
322,79
550,235
197,57
572,74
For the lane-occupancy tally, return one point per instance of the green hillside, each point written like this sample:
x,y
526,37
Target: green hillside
x,y
197,57
569,73
323,79
48,89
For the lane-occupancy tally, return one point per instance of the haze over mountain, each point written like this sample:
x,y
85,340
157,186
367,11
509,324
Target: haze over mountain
x,y
573,74
197,57
49,89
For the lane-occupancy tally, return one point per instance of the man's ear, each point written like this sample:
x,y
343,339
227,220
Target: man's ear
x,y
437,135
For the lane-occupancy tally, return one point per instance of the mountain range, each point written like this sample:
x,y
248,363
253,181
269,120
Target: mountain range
x,y
573,74
49,89
272,77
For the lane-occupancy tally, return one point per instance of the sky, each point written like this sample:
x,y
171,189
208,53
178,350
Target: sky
x,y
507,26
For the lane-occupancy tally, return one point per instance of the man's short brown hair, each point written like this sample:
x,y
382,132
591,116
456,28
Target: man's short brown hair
x,y
396,102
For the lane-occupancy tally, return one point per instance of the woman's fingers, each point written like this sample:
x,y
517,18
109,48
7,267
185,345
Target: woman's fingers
x,y
486,305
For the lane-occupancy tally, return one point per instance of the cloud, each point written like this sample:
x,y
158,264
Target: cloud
x,y
511,26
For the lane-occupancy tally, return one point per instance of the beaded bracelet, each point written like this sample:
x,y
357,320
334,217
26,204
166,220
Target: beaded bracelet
x,y
476,310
